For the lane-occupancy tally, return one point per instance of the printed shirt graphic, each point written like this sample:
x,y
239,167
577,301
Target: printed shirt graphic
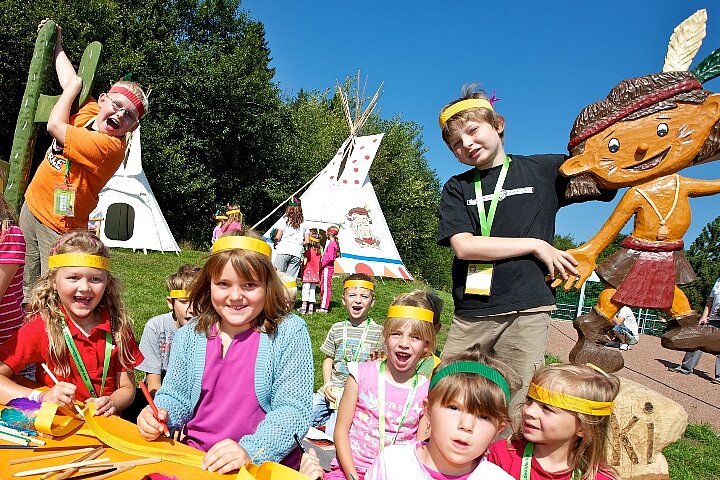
x,y
347,351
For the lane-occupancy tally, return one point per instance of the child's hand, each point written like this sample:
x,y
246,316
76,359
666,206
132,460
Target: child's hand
x,y
225,456
104,406
556,261
310,465
329,394
61,394
149,427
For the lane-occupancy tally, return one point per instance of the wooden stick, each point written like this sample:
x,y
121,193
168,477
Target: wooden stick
x,y
21,435
54,379
141,461
110,474
12,439
64,453
64,466
72,471
17,447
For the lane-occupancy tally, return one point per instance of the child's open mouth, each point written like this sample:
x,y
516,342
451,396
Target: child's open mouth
x,y
112,123
85,301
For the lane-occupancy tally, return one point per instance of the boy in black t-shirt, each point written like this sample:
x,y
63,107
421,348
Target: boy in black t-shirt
x,y
503,252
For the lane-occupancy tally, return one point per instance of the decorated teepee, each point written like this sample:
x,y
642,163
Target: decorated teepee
x,y
341,194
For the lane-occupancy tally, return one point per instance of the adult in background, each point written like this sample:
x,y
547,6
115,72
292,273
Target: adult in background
x,y
289,239
711,316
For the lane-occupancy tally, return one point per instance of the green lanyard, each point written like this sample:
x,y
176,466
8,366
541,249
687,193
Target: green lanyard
x,y
362,341
79,362
381,404
486,222
527,460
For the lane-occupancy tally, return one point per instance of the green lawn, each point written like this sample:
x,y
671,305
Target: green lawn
x,y
694,457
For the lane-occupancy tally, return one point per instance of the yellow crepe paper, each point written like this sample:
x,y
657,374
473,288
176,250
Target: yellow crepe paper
x,y
416,313
569,402
359,284
179,294
462,105
78,260
233,242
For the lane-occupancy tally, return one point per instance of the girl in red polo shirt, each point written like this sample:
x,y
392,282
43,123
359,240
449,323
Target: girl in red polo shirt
x,y
76,325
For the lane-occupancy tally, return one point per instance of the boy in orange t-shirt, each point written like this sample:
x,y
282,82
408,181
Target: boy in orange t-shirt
x,y
87,149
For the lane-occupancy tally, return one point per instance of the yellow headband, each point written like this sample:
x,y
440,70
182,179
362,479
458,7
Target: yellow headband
x,y
220,217
416,313
290,284
78,260
462,105
233,242
359,284
179,294
568,402
235,210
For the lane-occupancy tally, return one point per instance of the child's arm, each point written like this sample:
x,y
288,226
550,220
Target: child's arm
x,y
60,114
310,465
61,394
327,366
120,399
153,382
341,436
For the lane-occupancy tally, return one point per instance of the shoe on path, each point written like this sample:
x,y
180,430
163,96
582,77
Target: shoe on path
x,y
680,369
624,346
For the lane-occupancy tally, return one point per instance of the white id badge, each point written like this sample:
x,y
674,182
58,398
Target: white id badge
x,y
479,278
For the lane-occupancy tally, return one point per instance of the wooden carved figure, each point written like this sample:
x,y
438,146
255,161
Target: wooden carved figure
x,y
640,136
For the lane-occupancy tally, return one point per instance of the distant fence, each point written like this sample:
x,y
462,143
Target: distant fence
x,y
649,322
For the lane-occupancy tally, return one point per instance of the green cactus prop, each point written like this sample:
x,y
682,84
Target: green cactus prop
x,y
36,108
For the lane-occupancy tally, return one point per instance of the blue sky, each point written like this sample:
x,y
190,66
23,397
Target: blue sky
x,y
546,60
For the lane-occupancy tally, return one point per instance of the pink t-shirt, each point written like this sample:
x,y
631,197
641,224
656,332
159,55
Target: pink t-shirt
x,y
228,406
330,254
12,251
509,458
365,430
311,270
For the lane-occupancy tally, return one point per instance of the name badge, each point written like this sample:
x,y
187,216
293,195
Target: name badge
x,y
479,278
64,200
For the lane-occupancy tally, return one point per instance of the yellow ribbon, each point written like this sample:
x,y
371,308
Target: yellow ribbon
x,y
416,313
569,402
179,294
462,105
78,260
359,284
289,284
233,242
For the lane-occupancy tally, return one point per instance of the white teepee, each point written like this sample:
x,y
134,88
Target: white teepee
x,y
342,195
128,216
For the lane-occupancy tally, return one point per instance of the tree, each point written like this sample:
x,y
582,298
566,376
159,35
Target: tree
x,y
564,242
704,256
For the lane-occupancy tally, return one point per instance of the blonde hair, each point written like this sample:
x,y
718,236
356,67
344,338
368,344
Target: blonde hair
x,y
46,302
477,394
249,265
583,381
291,292
425,330
135,88
232,217
484,115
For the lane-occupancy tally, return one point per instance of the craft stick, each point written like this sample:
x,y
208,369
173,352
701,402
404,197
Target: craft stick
x,y
150,401
110,474
17,447
93,473
64,466
21,435
141,461
13,439
72,471
55,379
50,455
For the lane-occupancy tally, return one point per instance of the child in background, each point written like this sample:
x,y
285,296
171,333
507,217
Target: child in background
x,y
12,259
290,284
241,319
233,220
75,312
626,331
563,432
217,231
352,340
311,273
466,408
159,331
327,266
382,401
87,149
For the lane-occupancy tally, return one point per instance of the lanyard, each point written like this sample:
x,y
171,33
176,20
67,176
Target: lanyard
x,y
79,362
486,222
381,404
527,460
362,341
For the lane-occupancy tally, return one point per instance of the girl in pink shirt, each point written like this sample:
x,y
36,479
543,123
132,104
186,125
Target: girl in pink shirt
x,y
12,260
382,401
563,431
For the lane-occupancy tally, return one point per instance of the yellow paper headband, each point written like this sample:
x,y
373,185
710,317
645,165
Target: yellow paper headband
x,y
78,260
569,402
416,313
179,294
359,284
233,242
235,210
220,217
289,284
462,105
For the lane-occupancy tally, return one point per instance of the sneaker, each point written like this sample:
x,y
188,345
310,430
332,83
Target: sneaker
x,y
680,369
612,344
624,346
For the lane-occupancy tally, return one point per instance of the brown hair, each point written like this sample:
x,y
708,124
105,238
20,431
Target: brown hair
x,y
46,302
182,279
248,264
425,330
484,115
360,276
583,381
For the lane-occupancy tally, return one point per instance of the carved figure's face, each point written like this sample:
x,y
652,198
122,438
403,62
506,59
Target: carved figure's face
x,y
632,152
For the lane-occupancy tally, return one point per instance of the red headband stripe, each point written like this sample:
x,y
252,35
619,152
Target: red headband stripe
x,y
649,99
130,96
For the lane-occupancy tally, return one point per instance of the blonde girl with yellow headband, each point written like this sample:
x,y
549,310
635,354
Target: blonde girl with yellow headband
x,y
383,400
77,326
466,408
240,377
563,429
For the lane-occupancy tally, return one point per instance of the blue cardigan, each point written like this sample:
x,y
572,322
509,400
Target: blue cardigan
x,y
283,386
